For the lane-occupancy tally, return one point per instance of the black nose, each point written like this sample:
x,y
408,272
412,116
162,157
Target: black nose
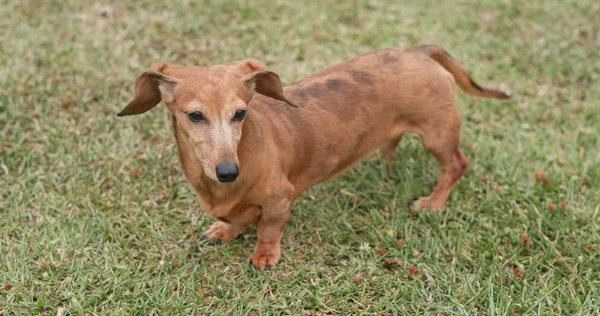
x,y
227,172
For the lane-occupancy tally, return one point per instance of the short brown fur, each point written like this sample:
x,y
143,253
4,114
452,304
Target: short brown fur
x,y
344,113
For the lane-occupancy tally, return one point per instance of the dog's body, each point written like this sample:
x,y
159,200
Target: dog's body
x,y
345,113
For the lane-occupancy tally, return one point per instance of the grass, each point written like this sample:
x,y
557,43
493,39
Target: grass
x,y
95,216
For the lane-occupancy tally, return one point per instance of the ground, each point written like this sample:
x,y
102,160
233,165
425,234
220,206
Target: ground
x,y
95,216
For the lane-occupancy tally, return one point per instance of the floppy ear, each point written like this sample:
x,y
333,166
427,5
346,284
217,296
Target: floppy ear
x,y
150,88
264,82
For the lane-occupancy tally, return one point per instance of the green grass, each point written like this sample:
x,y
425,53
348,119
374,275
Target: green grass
x,y
87,227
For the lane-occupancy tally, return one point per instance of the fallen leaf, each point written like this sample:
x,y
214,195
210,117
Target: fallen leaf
x,y
573,277
134,171
414,271
400,243
140,157
585,183
379,251
394,261
589,247
525,239
563,205
541,177
518,273
69,100
7,287
551,206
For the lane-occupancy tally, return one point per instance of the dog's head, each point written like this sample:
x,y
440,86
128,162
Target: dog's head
x,y
209,105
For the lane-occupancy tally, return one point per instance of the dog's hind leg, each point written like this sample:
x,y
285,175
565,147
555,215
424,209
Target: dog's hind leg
x,y
442,140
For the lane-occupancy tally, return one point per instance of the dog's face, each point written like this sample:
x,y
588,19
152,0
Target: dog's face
x,y
209,105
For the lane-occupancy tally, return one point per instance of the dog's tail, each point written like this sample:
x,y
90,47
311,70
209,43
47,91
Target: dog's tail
x,y
460,74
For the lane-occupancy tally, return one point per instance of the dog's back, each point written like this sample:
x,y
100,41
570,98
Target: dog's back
x,y
349,110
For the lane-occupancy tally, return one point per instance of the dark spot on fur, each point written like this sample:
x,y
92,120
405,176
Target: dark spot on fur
x,y
333,84
362,77
475,85
223,219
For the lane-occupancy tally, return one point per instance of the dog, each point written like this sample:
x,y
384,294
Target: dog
x,y
248,156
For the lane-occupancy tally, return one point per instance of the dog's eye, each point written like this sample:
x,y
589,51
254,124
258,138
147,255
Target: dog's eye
x,y
196,116
239,115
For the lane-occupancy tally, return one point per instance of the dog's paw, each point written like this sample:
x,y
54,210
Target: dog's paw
x,y
425,203
263,261
220,232
412,201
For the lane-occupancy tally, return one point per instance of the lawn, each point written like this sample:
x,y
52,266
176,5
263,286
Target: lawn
x,y
96,218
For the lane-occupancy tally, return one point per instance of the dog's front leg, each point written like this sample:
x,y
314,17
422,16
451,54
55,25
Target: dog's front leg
x,y
270,229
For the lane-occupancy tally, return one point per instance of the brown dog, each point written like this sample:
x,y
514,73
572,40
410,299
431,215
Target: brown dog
x,y
248,158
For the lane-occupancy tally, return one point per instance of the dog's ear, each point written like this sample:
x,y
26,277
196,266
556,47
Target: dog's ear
x,y
151,87
258,78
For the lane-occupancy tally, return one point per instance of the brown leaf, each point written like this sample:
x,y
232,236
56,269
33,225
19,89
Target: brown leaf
x,y
414,271
518,273
525,239
134,171
590,247
551,206
541,177
155,137
394,261
562,205
7,287
573,277
141,157
400,243
69,100
379,251
585,183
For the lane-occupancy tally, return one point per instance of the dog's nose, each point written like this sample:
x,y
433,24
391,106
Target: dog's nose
x,y
227,172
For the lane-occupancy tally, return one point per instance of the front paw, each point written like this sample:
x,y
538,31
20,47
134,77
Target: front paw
x,y
265,259
220,232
